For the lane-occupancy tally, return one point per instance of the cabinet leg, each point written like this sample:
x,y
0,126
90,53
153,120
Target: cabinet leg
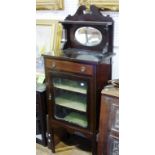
x,y
94,145
52,141
43,129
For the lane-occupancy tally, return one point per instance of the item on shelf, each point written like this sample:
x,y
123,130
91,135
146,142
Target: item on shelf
x,y
40,64
114,82
40,87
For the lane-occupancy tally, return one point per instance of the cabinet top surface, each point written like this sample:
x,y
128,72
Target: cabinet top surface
x,y
111,91
83,58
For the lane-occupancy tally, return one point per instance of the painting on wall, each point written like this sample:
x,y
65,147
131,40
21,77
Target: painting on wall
x,y
104,4
44,36
49,4
48,40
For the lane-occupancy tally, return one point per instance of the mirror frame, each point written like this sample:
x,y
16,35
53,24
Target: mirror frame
x,y
94,18
89,27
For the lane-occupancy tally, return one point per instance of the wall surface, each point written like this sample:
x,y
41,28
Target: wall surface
x,y
70,7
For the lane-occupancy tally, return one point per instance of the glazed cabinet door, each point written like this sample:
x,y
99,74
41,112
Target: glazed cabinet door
x,y
71,101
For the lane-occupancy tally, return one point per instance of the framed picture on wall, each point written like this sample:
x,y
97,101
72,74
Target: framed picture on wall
x,y
49,4
104,4
48,37
48,41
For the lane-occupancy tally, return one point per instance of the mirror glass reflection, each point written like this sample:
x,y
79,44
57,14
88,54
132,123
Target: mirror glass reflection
x,y
88,36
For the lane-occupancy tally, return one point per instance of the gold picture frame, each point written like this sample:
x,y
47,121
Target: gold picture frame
x,y
48,37
49,4
104,4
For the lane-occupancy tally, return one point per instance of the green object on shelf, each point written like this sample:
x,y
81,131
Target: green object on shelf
x,y
40,78
77,118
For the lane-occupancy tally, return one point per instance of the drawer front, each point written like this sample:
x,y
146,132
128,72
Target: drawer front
x,y
69,66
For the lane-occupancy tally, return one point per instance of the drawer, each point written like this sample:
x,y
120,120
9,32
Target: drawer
x,y
69,66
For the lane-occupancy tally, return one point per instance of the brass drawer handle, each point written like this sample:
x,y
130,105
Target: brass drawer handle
x,y
53,65
83,69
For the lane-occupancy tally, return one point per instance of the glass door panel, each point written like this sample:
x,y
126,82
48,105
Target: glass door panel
x,y
70,100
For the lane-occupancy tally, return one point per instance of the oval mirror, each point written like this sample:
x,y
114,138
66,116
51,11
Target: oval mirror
x,y
88,36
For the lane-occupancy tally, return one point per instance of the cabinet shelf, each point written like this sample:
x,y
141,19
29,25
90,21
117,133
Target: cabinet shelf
x,y
75,118
71,88
76,105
